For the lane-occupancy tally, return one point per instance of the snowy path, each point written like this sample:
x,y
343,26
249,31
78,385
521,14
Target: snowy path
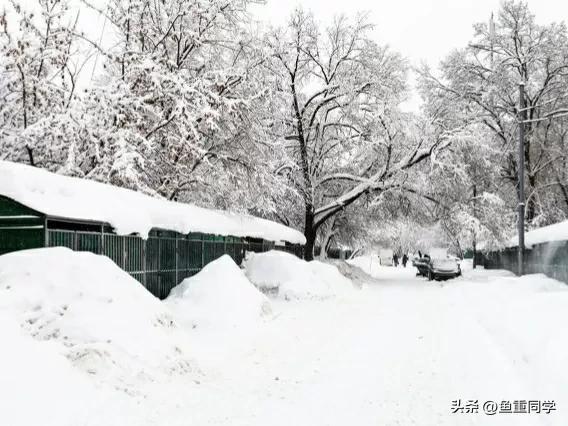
x,y
396,353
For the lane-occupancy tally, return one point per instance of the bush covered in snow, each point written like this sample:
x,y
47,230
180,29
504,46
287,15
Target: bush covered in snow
x,y
219,295
293,278
105,321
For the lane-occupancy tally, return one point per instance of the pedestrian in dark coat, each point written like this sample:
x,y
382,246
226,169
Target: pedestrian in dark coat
x,y
395,260
404,259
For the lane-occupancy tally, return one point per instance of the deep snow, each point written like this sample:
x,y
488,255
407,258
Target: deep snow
x,y
220,309
100,317
396,352
220,295
290,278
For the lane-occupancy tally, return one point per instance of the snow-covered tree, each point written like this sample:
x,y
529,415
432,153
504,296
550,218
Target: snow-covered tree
x,y
480,82
37,81
175,112
339,93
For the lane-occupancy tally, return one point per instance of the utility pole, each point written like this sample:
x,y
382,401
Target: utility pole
x,y
474,243
521,167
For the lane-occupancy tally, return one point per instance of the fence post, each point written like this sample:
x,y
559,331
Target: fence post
x,y
46,233
124,242
202,251
144,280
177,258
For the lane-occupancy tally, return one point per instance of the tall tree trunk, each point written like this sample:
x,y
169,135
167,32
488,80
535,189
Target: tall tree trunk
x,y
30,155
29,149
310,232
327,238
310,229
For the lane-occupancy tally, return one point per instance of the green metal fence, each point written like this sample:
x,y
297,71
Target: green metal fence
x,y
164,259
550,259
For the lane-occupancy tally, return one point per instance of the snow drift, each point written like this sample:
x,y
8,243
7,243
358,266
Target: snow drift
x,y
220,295
105,321
35,379
293,278
357,275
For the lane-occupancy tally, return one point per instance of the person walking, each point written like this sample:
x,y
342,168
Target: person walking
x,y
395,260
404,260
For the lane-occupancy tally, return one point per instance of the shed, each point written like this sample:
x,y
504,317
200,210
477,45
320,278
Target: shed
x,y
158,242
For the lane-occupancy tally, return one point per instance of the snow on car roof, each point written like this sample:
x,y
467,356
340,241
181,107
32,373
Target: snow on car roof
x,y
125,210
555,232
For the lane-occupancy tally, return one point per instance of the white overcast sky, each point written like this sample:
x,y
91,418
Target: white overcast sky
x,y
422,30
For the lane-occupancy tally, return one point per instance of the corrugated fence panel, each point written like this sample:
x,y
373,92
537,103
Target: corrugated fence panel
x,y
212,250
189,258
550,259
61,239
153,265
89,242
114,248
168,262
134,248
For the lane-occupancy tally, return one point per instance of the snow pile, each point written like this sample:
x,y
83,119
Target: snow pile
x,y
219,296
525,317
105,321
36,378
356,274
125,210
293,278
369,264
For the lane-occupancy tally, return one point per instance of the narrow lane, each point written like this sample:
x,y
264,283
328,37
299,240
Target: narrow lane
x,y
396,353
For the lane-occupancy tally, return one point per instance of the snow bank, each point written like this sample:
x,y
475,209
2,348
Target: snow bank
x,y
293,278
125,210
36,379
220,295
526,317
104,320
356,274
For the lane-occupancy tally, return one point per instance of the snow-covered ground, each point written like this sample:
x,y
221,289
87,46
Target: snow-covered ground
x,y
397,351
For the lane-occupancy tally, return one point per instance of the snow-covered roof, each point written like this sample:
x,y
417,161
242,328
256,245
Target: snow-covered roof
x,y
556,232
125,210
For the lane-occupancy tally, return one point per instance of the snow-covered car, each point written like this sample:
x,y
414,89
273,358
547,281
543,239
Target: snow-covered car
x,y
443,268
